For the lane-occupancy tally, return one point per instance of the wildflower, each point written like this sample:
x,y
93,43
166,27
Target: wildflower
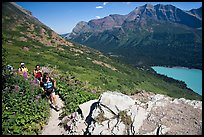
x,y
34,82
25,75
38,96
16,88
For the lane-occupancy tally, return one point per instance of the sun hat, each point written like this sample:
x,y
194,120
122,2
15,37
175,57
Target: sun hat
x,y
22,64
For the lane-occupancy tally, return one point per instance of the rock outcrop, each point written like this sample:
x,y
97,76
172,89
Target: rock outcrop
x,y
142,114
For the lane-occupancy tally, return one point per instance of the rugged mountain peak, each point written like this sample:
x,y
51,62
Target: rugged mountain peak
x,y
100,25
142,8
146,25
119,19
105,23
196,12
157,12
161,6
81,27
140,15
148,6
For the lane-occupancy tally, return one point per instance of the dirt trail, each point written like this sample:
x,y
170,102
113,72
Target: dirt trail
x,y
52,127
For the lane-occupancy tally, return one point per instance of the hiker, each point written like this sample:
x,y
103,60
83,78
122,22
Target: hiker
x,y
49,86
9,67
38,73
23,71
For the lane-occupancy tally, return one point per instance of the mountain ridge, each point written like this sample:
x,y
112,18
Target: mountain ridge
x,y
144,27
134,14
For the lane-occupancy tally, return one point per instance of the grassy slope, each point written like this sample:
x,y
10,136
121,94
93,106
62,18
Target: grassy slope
x,y
125,79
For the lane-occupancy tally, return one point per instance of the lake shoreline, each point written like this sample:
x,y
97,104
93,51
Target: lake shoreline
x,y
177,67
191,77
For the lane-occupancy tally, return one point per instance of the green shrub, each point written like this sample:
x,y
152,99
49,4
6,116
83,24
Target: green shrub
x,y
24,110
73,95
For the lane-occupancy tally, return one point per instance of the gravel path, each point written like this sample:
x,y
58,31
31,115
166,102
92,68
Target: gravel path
x,y
52,127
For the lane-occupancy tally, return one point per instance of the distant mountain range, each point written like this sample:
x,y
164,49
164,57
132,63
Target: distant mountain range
x,y
149,35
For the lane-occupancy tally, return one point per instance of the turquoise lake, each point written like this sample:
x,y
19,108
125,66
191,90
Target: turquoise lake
x,y
192,77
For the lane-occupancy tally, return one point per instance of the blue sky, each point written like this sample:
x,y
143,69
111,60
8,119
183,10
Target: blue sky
x,y
62,17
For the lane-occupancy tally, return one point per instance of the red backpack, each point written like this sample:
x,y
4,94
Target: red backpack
x,y
38,75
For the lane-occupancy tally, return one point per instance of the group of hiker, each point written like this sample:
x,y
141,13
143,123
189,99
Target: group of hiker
x,y
45,81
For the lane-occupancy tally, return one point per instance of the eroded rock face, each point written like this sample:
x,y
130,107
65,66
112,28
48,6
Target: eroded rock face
x,y
142,114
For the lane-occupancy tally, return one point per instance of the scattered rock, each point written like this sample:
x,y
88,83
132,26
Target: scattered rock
x,y
25,48
22,39
104,64
76,50
118,114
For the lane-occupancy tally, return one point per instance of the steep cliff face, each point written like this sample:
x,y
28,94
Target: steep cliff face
x,y
141,114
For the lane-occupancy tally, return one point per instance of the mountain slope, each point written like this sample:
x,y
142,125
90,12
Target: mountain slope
x,y
142,36
26,39
196,12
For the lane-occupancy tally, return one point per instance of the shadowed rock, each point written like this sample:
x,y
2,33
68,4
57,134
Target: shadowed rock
x,y
118,114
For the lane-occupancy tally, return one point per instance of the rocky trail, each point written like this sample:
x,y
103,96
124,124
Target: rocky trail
x,y
144,113
52,127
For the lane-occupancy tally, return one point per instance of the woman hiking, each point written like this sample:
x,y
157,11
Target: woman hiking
x,y
38,73
23,71
49,86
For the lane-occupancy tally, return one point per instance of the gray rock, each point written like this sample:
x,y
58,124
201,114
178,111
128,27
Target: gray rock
x,y
116,101
160,130
86,107
118,114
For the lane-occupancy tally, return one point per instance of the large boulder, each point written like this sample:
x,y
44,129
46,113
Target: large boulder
x,y
142,114
116,101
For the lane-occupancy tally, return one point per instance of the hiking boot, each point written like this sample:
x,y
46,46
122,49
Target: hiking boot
x,y
52,105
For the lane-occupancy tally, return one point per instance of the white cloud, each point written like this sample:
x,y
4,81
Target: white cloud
x,y
98,17
99,7
128,2
105,3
